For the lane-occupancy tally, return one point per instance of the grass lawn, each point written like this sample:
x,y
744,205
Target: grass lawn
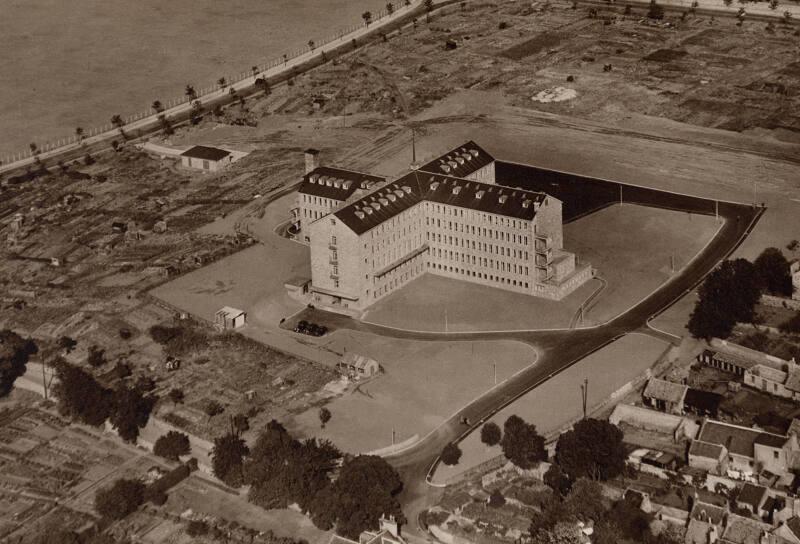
x,y
424,384
558,400
630,246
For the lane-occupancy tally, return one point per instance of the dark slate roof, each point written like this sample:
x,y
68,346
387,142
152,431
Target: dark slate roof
x,y
708,513
336,183
794,525
207,153
398,196
705,449
751,495
460,162
738,440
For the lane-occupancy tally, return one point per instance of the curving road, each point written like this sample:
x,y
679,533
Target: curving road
x,y
558,349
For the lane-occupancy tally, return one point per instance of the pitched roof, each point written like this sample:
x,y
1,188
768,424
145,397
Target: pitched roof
x,y
205,152
664,390
390,200
752,495
793,381
794,427
336,183
705,449
771,440
769,373
460,162
794,525
707,512
741,530
738,440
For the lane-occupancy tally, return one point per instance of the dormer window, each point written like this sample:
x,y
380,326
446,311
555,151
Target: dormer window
x,y
456,190
480,194
502,199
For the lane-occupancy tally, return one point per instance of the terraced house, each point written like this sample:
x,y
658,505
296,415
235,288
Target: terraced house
x,y
449,217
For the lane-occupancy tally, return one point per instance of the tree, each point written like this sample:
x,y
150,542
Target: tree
x,y
172,445
592,449
197,528
214,408
123,497
67,344
176,396
655,11
79,133
727,2
14,354
367,16
557,480
130,412
521,444
190,93
157,106
311,45
451,454
389,8
117,121
772,270
96,356
240,424
34,148
366,489
222,82
496,499
324,416
79,395
773,4
491,434
563,532
428,9
727,296
227,459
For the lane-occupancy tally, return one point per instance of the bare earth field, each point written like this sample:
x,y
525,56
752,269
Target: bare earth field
x,y
70,64
558,401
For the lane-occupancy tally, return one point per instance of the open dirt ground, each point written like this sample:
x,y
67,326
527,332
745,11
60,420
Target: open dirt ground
x,y
424,383
558,401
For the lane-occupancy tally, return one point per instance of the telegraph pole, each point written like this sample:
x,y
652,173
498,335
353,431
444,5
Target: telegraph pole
x,y
413,146
584,394
494,364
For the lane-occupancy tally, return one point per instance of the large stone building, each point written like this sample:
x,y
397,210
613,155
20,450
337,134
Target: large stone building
x,y
369,237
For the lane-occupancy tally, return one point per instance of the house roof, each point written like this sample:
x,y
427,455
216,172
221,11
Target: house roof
x,y
741,530
706,449
697,532
390,200
705,400
794,525
738,440
752,495
707,512
230,312
793,381
336,183
794,428
771,440
358,361
664,390
205,152
460,162
769,373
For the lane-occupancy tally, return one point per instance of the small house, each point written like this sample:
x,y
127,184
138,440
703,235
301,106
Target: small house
x,y
752,497
358,366
209,159
228,318
665,396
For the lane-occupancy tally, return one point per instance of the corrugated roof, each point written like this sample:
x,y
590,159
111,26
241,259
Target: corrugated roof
x,y
665,390
738,440
705,449
392,199
205,152
460,162
336,183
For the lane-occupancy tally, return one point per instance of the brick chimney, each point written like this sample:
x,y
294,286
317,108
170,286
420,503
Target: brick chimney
x,y
312,160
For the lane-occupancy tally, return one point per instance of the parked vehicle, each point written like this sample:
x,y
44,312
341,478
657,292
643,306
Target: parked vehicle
x,y
311,329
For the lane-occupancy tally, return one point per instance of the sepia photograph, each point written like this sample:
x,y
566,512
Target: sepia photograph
x,y
400,272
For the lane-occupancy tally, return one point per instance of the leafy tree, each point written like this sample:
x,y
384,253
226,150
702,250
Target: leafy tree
x,y
67,344
14,354
563,532
190,93
772,270
123,497
227,459
157,106
197,528
213,408
557,480
79,395
655,11
496,499
222,82
389,8
366,489
367,16
172,445
728,295
240,423
130,412
451,454
491,434
324,416
592,449
176,396
521,444
96,356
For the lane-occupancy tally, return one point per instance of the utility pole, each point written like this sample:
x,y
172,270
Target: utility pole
x,y
672,263
584,394
494,364
716,210
413,146
393,436
620,193
445,320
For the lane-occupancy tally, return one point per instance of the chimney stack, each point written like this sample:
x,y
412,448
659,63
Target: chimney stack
x,y
312,160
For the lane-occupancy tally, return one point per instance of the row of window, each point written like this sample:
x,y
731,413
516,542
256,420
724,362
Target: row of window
x,y
479,275
480,231
320,201
472,215
479,246
502,266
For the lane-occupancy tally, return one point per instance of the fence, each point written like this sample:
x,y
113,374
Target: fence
x,y
318,45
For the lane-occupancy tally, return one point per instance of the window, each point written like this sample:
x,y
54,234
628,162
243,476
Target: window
x,y
775,454
336,269
336,283
206,166
333,240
